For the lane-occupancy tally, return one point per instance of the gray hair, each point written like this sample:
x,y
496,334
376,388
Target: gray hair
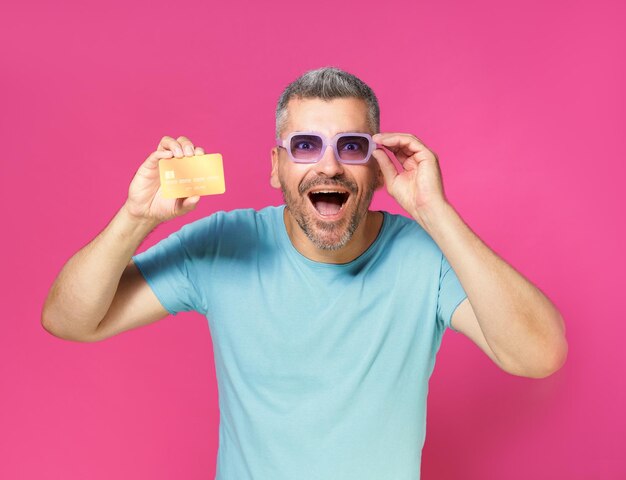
x,y
328,83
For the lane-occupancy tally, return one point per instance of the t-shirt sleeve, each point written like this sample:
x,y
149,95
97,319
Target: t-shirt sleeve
x,y
450,295
168,269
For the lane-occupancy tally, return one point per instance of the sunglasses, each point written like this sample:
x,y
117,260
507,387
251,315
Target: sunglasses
x,y
309,147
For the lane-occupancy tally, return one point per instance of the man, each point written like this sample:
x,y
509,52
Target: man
x,y
325,316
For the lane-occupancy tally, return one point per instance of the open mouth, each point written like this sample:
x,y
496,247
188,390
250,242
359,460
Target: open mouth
x,y
328,203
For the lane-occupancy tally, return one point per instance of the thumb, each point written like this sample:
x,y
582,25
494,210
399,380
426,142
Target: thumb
x,y
189,204
386,166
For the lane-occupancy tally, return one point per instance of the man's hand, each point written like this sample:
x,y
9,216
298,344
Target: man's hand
x,y
144,194
418,188
504,314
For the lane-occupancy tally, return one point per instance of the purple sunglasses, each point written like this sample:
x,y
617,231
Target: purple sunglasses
x,y
309,147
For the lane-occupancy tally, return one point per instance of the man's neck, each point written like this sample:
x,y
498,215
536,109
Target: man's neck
x,y
363,237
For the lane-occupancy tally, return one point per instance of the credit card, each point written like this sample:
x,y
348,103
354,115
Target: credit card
x,y
189,176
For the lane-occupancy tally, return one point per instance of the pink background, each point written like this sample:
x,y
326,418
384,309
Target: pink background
x,y
522,101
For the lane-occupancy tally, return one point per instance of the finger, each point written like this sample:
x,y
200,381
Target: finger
x,y
188,204
377,137
199,151
401,144
386,166
404,144
153,159
168,143
186,144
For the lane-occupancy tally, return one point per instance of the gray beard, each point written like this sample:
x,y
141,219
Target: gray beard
x,y
306,226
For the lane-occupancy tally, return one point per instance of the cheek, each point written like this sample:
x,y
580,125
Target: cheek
x,y
369,180
291,177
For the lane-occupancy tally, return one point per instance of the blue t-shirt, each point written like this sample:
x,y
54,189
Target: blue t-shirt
x,y
322,369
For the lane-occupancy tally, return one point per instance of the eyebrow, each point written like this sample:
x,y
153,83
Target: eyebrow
x,y
337,133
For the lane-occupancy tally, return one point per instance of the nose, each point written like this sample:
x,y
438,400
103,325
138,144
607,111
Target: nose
x,y
329,165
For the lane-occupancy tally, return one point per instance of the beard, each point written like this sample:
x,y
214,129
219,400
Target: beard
x,y
328,235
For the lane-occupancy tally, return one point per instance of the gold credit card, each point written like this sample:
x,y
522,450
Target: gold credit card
x,y
189,176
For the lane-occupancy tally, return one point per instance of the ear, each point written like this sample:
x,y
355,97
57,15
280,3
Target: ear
x,y
274,180
380,179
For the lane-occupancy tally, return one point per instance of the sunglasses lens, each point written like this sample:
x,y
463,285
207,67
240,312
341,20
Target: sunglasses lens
x,y
306,147
353,148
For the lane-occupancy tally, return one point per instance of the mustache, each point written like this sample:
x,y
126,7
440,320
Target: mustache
x,y
327,182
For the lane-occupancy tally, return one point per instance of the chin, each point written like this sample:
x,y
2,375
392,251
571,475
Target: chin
x,y
329,235
325,241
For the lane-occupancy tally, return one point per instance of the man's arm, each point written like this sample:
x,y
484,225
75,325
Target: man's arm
x,y
99,291
508,317
503,310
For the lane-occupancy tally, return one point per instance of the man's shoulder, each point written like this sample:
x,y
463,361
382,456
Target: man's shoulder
x,y
235,226
397,219
238,216
402,224
399,229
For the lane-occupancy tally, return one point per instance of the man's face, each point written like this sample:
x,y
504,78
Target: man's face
x,y
330,218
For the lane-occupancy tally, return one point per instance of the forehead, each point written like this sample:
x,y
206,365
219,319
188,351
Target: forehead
x,y
328,117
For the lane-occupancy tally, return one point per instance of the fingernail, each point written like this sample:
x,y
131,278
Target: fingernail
x,y
179,152
188,150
